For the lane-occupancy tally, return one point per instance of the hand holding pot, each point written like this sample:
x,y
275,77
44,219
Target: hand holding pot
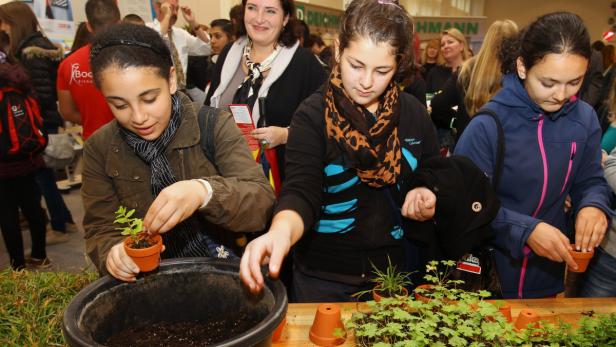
x,y
547,241
173,205
120,265
590,227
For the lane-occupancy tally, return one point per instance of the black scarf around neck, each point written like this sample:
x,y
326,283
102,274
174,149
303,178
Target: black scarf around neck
x,y
188,238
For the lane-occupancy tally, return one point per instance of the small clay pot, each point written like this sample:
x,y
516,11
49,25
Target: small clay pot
x,y
581,259
378,297
421,297
146,258
527,316
505,310
326,320
278,332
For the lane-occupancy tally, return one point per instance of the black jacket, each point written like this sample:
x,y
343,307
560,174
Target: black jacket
x,y
436,78
302,77
466,204
349,225
41,58
443,113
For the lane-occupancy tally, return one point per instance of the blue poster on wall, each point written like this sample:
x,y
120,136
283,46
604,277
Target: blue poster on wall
x,y
56,19
58,9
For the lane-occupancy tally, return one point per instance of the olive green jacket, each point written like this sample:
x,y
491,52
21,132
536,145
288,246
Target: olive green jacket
x,y
114,175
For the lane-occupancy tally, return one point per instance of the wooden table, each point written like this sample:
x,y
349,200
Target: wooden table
x,y
300,316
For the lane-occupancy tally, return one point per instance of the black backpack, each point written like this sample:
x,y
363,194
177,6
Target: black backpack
x,y
21,134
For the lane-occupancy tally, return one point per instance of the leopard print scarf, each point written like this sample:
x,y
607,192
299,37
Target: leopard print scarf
x,y
372,148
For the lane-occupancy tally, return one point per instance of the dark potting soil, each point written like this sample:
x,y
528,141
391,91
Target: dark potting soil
x,y
185,334
142,243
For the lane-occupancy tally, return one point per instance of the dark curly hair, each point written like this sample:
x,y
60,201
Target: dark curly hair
x,y
380,21
287,37
129,45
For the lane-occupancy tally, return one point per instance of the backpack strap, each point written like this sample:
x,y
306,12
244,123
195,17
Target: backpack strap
x,y
500,149
207,122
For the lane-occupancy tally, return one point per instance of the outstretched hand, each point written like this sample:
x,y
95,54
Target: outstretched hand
x,y
270,248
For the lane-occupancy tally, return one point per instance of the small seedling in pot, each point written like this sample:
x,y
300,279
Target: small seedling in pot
x,y
133,228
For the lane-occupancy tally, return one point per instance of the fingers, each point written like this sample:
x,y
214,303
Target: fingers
x,y
583,234
173,205
120,265
590,228
598,234
250,270
563,248
254,264
245,274
274,136
275,261
153,214
419,204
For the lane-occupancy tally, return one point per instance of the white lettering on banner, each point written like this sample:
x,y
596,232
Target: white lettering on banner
x,y
79,77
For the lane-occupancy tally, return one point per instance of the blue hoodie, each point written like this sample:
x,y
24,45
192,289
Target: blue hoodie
x,y
547,157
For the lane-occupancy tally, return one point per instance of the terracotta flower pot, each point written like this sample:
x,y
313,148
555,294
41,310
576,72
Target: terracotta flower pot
x,y
505,310
581,259
278,332
326,320
526,316
146,258
378,297
420,296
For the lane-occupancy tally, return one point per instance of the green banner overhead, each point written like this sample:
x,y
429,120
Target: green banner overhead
x,y
431,27
319,19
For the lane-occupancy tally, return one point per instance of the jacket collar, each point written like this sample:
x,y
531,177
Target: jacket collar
x,y
515,95
32,47
232,63
187,134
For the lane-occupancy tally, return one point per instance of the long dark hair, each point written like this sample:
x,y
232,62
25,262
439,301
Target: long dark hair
x,y
287,37
381,21
557,33
22,20
129,45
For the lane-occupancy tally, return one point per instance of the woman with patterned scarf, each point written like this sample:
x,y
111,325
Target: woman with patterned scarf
x,y
266,62
351,154
150,158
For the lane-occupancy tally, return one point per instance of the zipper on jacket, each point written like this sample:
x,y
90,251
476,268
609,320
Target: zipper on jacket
x,y
543,193
573,150
183,171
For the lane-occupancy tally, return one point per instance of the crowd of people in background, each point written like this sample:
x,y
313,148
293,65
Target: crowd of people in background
x,y
350,126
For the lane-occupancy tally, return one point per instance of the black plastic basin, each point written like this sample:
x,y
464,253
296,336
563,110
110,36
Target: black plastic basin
x,y
189,289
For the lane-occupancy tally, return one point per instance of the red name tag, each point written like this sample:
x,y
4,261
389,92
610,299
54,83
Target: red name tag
x,y
469,263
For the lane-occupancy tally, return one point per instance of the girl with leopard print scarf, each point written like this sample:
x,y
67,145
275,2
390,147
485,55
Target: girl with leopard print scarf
x,y
350,149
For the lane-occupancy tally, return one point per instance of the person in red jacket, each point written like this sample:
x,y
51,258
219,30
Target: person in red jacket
x,y
79,100
18,187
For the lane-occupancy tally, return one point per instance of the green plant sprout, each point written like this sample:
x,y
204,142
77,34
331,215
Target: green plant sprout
x,y
389,282
133,228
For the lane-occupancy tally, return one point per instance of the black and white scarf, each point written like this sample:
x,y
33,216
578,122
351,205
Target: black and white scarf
x,y
187,239
249,89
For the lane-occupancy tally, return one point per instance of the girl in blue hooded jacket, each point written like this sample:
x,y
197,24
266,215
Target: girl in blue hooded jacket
x,y
552,150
